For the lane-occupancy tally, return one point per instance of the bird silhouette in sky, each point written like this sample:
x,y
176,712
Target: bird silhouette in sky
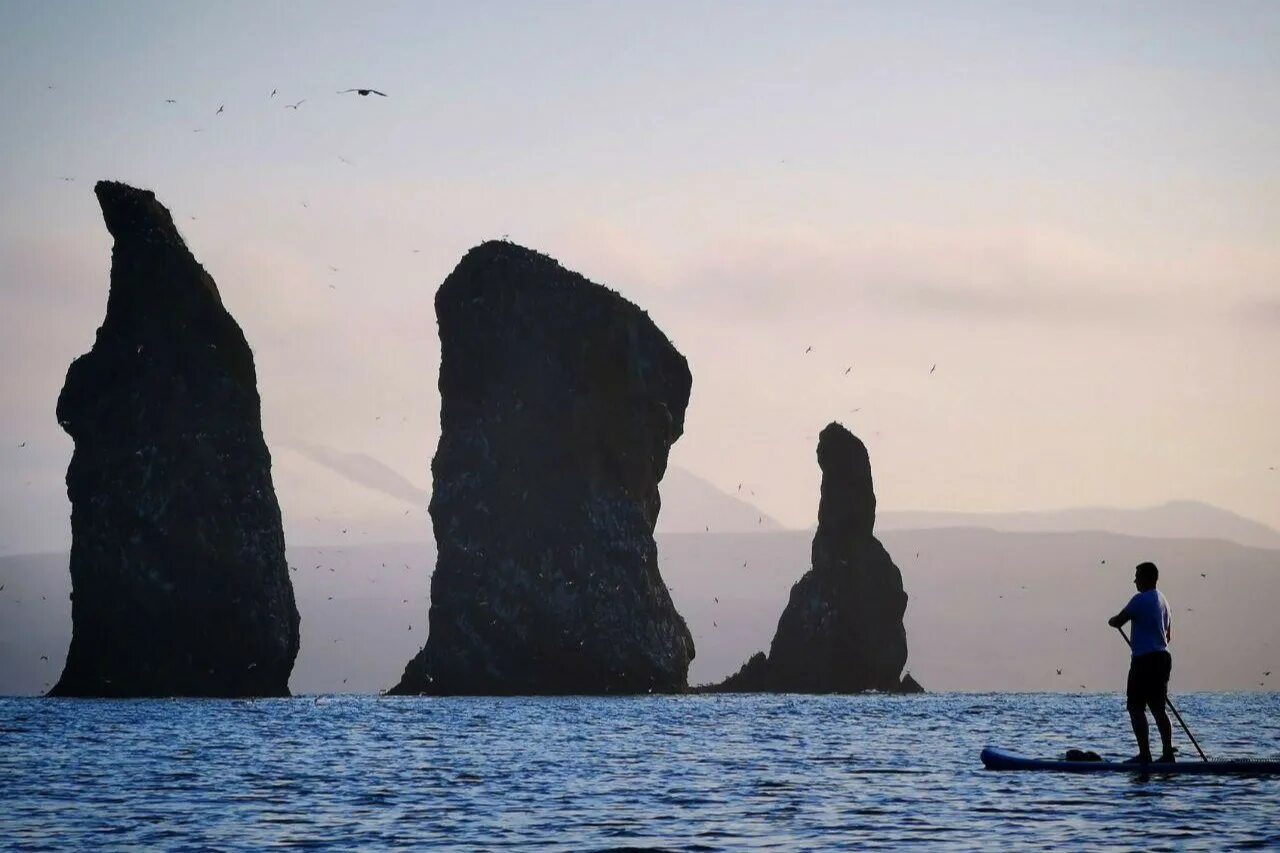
x,y
932,369
220,108
65,179
295,106
363,92
170,100
273,93
847,369
24,444
808,350
1059,672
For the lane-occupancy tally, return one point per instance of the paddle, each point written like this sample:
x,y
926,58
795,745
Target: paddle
x,y
1169,702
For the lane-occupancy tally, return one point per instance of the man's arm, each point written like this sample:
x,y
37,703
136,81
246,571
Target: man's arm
x,y
1119,619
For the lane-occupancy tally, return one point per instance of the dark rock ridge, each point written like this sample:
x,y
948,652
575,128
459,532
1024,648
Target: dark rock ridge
x,y
178,574
842,630
559,403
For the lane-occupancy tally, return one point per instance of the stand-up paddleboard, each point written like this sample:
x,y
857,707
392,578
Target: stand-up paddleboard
x,y
998,759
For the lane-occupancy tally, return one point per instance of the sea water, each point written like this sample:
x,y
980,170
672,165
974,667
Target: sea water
x,y
675,773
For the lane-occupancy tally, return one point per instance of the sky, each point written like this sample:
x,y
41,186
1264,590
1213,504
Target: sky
x,y
1027,252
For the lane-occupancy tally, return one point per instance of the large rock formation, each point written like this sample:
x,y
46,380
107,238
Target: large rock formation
x,y
179,580
842,630
559,403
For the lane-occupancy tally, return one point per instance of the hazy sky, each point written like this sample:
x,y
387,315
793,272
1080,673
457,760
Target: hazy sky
x,y
1071,209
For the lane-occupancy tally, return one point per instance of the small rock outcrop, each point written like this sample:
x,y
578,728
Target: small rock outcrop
x,y
842,630
559,403
178,573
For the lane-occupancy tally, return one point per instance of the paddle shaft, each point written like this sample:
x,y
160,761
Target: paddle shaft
x,y
1169,702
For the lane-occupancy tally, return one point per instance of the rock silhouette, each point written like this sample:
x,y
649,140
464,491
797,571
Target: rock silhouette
x,y
559,403
841,631
179,580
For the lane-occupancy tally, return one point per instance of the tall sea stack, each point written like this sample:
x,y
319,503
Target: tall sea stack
x,y
559,403
842,630
178,574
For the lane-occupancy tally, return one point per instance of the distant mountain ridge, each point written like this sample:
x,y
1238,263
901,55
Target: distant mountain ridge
x,y
692,504
1171,520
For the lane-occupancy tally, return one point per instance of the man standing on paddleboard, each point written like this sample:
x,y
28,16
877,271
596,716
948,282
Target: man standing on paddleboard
x,y
1151,664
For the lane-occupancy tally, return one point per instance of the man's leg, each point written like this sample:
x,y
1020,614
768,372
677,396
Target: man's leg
x,y
1157,701
1138,716
1162,726
1138,713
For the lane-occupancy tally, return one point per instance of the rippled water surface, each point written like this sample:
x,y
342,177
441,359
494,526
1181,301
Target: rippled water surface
x,y
691,773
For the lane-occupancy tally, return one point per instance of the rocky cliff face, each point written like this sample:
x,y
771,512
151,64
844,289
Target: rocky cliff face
x,y
179,580
842,630
560,401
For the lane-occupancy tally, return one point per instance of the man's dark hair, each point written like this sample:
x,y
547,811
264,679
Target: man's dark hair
x,y
1148,573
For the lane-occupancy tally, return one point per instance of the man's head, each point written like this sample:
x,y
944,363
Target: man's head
x,y
1145,576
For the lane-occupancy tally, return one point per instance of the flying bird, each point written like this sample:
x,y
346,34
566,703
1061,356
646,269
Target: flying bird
x,y
24,444
345,160
295,106
364,92
932,369
847,369
220,108
65,179
170,101
273,93
808,350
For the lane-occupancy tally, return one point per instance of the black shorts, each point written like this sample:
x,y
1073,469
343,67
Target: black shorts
x,y
1149,679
